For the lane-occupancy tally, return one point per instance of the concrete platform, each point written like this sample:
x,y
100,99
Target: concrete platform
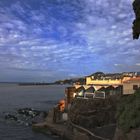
x,y
50,126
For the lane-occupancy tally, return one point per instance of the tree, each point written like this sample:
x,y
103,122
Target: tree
x,y
136,23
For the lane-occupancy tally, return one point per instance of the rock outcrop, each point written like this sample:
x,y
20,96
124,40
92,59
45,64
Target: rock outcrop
x,y
96,115
26,116
93,113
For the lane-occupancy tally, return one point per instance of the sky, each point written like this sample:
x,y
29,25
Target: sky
x,y
47,40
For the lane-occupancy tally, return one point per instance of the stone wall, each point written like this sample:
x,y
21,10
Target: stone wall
x,y
96,115
91,113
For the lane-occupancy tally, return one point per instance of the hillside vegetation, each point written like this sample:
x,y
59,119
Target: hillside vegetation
x,y
128,112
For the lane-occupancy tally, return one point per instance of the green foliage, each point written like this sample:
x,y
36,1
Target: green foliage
x,y
128,112
136,23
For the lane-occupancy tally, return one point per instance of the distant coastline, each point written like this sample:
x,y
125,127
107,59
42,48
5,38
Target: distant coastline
x,y
78,80
32,83
25,83
35,84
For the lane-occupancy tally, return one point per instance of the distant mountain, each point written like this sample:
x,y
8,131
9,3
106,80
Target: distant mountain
x,y
81,81
97,75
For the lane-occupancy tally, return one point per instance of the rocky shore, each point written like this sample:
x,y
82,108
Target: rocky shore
x,y
25,116
97,119
92,119
88,119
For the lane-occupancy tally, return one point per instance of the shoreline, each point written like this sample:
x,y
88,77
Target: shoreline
x,y
71,130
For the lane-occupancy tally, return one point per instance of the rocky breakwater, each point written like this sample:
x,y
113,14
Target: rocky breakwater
x,y
25,116
96,115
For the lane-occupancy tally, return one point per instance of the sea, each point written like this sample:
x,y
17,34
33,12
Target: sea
x,y
13,97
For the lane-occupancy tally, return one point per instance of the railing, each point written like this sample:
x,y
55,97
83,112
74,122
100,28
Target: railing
x,y
88,132
100,95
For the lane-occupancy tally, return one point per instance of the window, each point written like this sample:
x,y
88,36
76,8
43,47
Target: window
x,y
135,87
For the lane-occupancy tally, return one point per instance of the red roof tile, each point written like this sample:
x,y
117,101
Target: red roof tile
x,y
133,79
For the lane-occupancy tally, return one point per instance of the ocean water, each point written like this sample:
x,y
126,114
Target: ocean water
x,y
13,97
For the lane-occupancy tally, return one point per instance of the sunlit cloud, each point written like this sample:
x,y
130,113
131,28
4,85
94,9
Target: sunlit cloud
x,y
137,64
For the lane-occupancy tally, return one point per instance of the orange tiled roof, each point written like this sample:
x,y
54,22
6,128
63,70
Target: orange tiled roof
x,y
133,79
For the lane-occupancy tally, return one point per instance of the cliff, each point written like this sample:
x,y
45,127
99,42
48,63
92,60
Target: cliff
x,y
96,115
113,118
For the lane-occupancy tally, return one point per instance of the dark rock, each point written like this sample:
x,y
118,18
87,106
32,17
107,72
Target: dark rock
x,y
39,118
28,112
10,117
96,115
93,113
26,116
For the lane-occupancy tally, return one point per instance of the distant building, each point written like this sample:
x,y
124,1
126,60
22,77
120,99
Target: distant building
x,y
102,86
94,90
131,85
107,80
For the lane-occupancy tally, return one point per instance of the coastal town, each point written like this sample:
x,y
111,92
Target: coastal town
x,y
100,84
100,91
102,108
69,70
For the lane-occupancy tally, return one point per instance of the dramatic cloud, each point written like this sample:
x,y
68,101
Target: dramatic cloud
x,y
45,40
